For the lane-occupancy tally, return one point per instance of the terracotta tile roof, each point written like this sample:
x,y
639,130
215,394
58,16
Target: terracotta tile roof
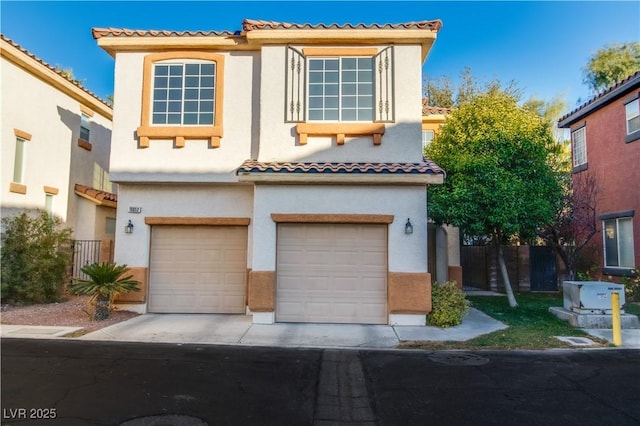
x,y
123,32
57,71
601,99
426,167
253,24
430,110
96,194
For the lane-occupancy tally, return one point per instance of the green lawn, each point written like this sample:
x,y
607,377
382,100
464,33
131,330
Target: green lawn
x,y
531,325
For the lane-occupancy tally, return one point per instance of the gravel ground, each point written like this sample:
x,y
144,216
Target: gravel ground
x,y
72,312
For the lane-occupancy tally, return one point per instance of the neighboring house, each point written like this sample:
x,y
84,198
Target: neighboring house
x,y
444,241
56,138
276,171
605,141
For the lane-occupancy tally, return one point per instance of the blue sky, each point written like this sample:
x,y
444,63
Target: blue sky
x,y
541,45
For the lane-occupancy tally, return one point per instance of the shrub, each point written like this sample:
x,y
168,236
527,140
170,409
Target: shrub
x,y
36,255
449,305
632,287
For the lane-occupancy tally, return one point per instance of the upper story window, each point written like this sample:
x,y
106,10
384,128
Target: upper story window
x,y
85,127
632,111
182,98
183,93
618,242
341,89
579,146
19,160
427,138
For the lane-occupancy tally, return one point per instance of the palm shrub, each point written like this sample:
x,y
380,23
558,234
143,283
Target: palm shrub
x,y
449,305
105,282
36,256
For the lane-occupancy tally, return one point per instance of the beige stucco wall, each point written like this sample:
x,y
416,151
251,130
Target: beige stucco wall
x,y
53,158
407,253
173,201
196,162
400,143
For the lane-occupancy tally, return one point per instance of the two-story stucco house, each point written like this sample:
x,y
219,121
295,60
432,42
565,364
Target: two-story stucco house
x,y
56,141
605,142
276,171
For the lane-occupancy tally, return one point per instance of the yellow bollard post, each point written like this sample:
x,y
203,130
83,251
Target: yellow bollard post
x,y
615,318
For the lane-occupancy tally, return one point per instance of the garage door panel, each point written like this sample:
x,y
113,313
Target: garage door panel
x,y
332,273
198,269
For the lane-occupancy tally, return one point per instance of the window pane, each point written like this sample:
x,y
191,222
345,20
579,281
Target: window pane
x,y
365,102
632,109
625,236
578,138
349,76
192,69
348,89
191,119
175,94
206,81
162,70
365,89
315,77
175,70
48,203
365,114
174,107
159,106
18,165
331,90
315,89
191,81
206,118
365,76
331,64
206,106
206,94
84,133
365,63
160,82
331,102
633,125
315,102
349,114
331,114
332,77
175,82
349,64
190,106
159,95
315,114
173,119
348,102
610,243
207,69
159,119
316,64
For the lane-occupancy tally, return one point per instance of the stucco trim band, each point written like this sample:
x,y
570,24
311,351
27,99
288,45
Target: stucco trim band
x,y
409,292
22,134
340,130
51,190
209,221
140,274
332,218
339,51
85,144
261,291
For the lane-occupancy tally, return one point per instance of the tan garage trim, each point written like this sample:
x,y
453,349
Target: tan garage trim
x,y
409,293
208,221
332,218
261,291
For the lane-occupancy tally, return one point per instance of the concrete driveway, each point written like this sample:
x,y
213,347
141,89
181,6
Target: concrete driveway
x,y
239,330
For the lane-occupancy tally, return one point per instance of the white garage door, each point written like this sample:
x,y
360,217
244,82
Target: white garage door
x,y
198,269
332,273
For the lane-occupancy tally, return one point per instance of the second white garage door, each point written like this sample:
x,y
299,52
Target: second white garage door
x,y
332,273
198,269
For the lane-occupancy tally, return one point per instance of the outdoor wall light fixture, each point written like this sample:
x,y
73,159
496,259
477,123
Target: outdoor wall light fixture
x,y
128,229
408,227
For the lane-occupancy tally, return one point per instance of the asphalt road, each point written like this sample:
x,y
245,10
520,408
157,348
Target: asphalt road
x,y
63,382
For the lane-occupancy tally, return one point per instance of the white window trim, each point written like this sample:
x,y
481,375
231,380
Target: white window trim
x,y
604,243
582,160
627,118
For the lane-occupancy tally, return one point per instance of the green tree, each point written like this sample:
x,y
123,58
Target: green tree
x,y
499,179
36,255
611,64
104,283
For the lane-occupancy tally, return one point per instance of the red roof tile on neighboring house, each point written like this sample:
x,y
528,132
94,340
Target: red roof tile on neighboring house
x,y
601,99
96,195
253,24
57,71
426,167
430,110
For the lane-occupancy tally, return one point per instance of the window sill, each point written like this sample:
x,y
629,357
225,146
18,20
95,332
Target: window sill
x,y
85,144
179,134
620,272
340,131
18,188
580,168
632,137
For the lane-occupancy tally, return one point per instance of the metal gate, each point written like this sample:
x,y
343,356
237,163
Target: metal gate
x,y
85,252
542,261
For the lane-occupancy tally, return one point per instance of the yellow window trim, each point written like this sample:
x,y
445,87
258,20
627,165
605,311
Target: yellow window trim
x,y
340,131
22,134
86,111
179,134
51,190
85,145
18,188
339,51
